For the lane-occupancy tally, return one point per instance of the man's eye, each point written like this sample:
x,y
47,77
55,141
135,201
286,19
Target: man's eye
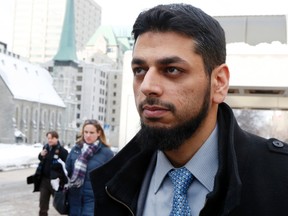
x,y
138,71
172,70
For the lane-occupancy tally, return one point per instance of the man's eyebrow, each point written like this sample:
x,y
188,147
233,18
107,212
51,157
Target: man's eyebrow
x,y
163,61
137,61
170,60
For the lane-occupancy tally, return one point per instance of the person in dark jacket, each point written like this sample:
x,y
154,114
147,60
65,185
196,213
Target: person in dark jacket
x,y
47,170
90,151
180,84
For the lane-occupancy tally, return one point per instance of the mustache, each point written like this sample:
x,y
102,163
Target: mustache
x,y
158,102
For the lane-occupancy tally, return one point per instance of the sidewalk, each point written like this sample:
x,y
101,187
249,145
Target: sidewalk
x,y
16,197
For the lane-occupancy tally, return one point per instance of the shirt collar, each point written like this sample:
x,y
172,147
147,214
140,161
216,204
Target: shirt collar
x,y
203,165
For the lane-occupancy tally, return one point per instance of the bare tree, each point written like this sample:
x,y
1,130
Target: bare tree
x,y
266,123
253,121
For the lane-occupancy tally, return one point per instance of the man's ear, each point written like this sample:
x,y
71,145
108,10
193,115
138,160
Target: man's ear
x,y
220,83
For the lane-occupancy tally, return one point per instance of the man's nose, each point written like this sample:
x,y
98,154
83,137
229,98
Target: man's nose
x,y
151,84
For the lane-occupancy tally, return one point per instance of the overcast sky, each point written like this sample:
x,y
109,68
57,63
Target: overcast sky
x,y
124,12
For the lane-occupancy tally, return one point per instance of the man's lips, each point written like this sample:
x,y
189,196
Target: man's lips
x,y
152,111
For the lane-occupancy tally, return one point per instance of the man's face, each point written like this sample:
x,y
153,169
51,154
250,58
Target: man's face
x,y
52,141
171,88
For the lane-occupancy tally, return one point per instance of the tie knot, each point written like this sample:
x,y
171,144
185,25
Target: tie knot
x,y
181,179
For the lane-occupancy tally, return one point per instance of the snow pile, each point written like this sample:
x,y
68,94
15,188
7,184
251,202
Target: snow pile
x,y
14,156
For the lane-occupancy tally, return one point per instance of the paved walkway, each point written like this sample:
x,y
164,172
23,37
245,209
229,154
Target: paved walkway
x,y
16,197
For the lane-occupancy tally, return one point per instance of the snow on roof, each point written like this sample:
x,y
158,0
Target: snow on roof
x,y
263,65
262,48
28,81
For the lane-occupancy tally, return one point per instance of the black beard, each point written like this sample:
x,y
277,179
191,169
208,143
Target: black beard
x,y
166,139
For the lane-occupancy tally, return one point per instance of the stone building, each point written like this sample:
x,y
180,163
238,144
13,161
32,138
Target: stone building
x,y
30,106
91,80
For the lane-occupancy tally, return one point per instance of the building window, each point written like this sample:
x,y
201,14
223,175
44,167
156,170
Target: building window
x,y
78,88
50,69
80,69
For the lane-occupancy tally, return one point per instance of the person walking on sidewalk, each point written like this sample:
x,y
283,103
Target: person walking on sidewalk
x,y
42,179
90,151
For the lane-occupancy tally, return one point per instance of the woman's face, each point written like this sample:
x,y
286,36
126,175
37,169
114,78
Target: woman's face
x,y
90,133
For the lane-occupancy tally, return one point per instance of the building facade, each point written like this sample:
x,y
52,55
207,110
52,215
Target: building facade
x,y
88,81
92,81
38,26
105,50
30,106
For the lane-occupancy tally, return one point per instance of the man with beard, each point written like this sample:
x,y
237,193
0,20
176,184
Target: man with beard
x,y
180,82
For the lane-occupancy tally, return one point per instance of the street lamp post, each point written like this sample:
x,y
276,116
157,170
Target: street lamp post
x,y
38,123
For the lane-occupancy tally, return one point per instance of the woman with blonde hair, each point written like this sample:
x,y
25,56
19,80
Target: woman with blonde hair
x,y
90,151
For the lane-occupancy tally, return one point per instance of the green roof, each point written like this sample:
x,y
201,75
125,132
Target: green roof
x,y
106,32
67,46
124,43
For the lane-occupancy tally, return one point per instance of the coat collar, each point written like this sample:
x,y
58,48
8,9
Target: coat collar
x,y
132,173
225,196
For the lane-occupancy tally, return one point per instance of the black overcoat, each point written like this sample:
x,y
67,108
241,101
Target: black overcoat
x,y
53,153
252,178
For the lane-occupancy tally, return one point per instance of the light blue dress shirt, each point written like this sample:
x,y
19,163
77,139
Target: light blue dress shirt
x,y
203,165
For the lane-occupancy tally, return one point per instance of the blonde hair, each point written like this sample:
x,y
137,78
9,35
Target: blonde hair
x,y
98,127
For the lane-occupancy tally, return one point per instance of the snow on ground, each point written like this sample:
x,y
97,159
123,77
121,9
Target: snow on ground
x,y
17,156
14,156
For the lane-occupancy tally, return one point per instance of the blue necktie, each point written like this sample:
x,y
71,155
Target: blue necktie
x,y
181,179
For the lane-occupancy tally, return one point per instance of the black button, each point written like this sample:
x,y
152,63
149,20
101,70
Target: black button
x,y
278,144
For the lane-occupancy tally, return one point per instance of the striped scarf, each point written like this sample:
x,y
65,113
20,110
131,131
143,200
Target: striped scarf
x,y
80,166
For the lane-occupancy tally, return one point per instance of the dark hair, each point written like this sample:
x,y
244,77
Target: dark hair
x,y
208,35
98,127
53,134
